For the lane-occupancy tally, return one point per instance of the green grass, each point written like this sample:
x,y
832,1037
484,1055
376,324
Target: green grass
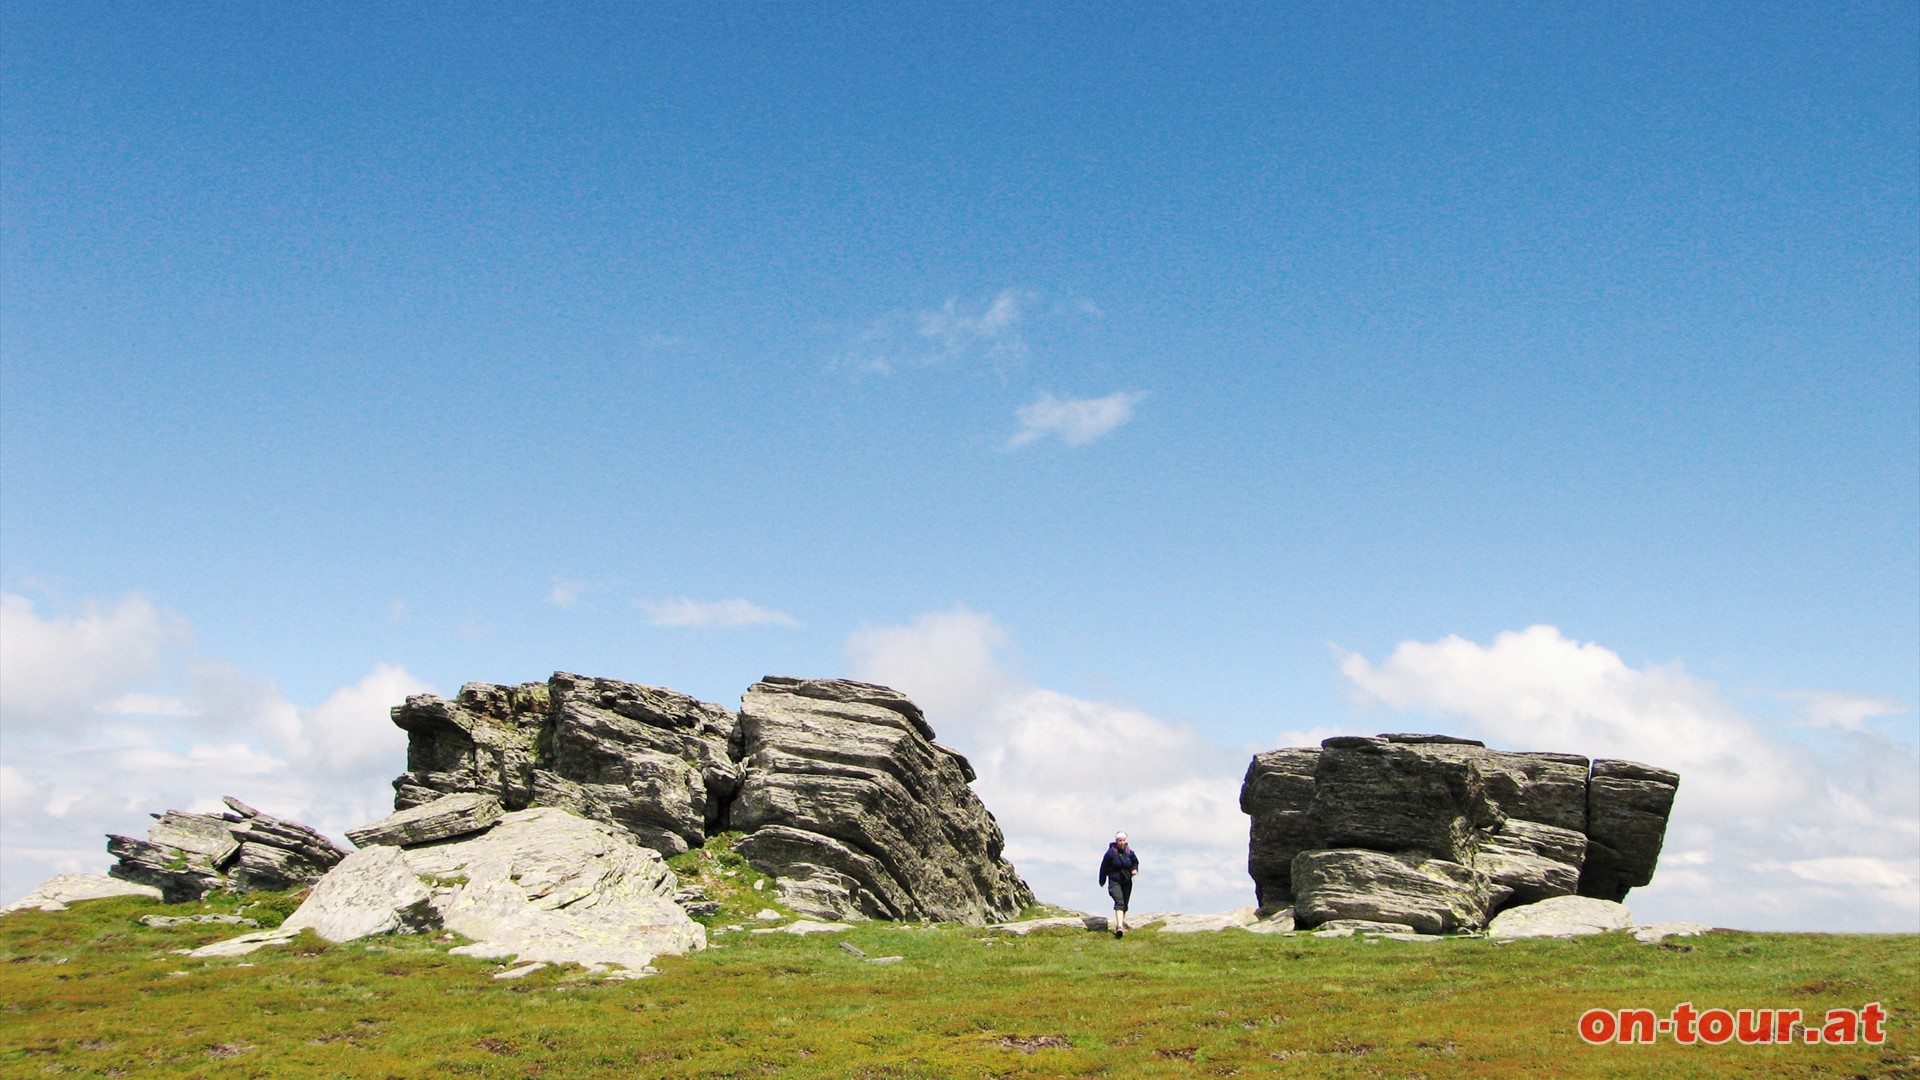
x,y
91,992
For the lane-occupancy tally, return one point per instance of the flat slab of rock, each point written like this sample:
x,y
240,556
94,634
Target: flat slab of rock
x,y
245,943
1195,924
444,818
55,893
1431,896
1561,916
1349,927
1654,933
801,927
1053,922
1280,922
197,920
542,885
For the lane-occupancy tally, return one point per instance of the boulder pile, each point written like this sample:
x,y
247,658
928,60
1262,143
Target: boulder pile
x,y
1440,833
186,856
843,794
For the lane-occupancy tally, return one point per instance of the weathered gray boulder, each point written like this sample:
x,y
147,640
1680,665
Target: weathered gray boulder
x,y
442,819
1531,861
1278,795
1432,896
542,885
186,855
55,893
850,804
1537,824
1561,916
1223,920
1627,808
658,764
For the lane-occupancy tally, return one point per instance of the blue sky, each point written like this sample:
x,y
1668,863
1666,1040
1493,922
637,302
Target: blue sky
x,y
1151,378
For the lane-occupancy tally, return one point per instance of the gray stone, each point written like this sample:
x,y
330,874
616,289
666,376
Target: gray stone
x,y
443,818
1194,924
187,856
658,764
1627,808
1052,922
245,943
852,806
1431,896
57,892
1537,824
802,927
543,885
1348,927
1391,796
373,891
843,794
1532,861
196,920
1280,922
522,971
1277,795
1654,933
1561,916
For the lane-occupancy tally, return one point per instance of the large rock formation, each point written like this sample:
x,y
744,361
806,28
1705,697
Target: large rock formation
x,y
1488,829
186,856
849,803
843,794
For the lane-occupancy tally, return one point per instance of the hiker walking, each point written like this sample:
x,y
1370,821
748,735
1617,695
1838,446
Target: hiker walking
x,y
1118,868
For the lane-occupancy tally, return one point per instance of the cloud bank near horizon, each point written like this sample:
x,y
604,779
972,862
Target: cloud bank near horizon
x,y
1811,825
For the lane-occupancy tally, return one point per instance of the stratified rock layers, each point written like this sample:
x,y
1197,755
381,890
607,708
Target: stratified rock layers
x,y
186,855
843,794
1530,826
848,801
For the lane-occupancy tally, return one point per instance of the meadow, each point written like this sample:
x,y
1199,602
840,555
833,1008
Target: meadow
x,y
91,992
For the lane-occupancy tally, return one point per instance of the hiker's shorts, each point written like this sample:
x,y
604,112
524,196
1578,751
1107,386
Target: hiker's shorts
x,y
1120,887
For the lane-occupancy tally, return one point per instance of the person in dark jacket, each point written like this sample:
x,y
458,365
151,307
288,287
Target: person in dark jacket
x,y
1118,868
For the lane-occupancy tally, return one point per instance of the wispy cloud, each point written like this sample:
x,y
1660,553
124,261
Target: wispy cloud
x,y
954,332
1841,710
1074,421
682,611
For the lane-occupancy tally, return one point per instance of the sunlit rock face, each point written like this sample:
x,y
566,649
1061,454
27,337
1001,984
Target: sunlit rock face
x,y
842,792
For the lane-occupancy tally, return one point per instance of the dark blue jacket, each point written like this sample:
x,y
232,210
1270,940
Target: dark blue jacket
x,y
1117,863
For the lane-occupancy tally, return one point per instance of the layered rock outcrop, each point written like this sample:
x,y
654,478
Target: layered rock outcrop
x,y
1436,831
187,856
842,792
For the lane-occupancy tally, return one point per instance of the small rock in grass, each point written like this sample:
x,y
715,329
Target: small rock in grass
x,y
769,915
885,959
1654,933
521,972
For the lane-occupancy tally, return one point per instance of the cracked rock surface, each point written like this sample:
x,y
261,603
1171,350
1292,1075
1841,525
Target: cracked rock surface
x,y
1369,827
843,794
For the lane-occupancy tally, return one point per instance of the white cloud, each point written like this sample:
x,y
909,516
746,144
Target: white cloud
x,y
1838,709
1775,824
951,333
566,592
1062,773
682,611
1075,422
92,743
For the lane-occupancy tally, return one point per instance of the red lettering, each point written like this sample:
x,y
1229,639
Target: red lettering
x,y
1597,1026
1683,1017
1716,1026
1756,1025
1870,1017
1843,1026
1636,1026
1783,1022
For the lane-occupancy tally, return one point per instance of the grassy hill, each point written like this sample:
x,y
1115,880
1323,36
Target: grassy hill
x,y
92,992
